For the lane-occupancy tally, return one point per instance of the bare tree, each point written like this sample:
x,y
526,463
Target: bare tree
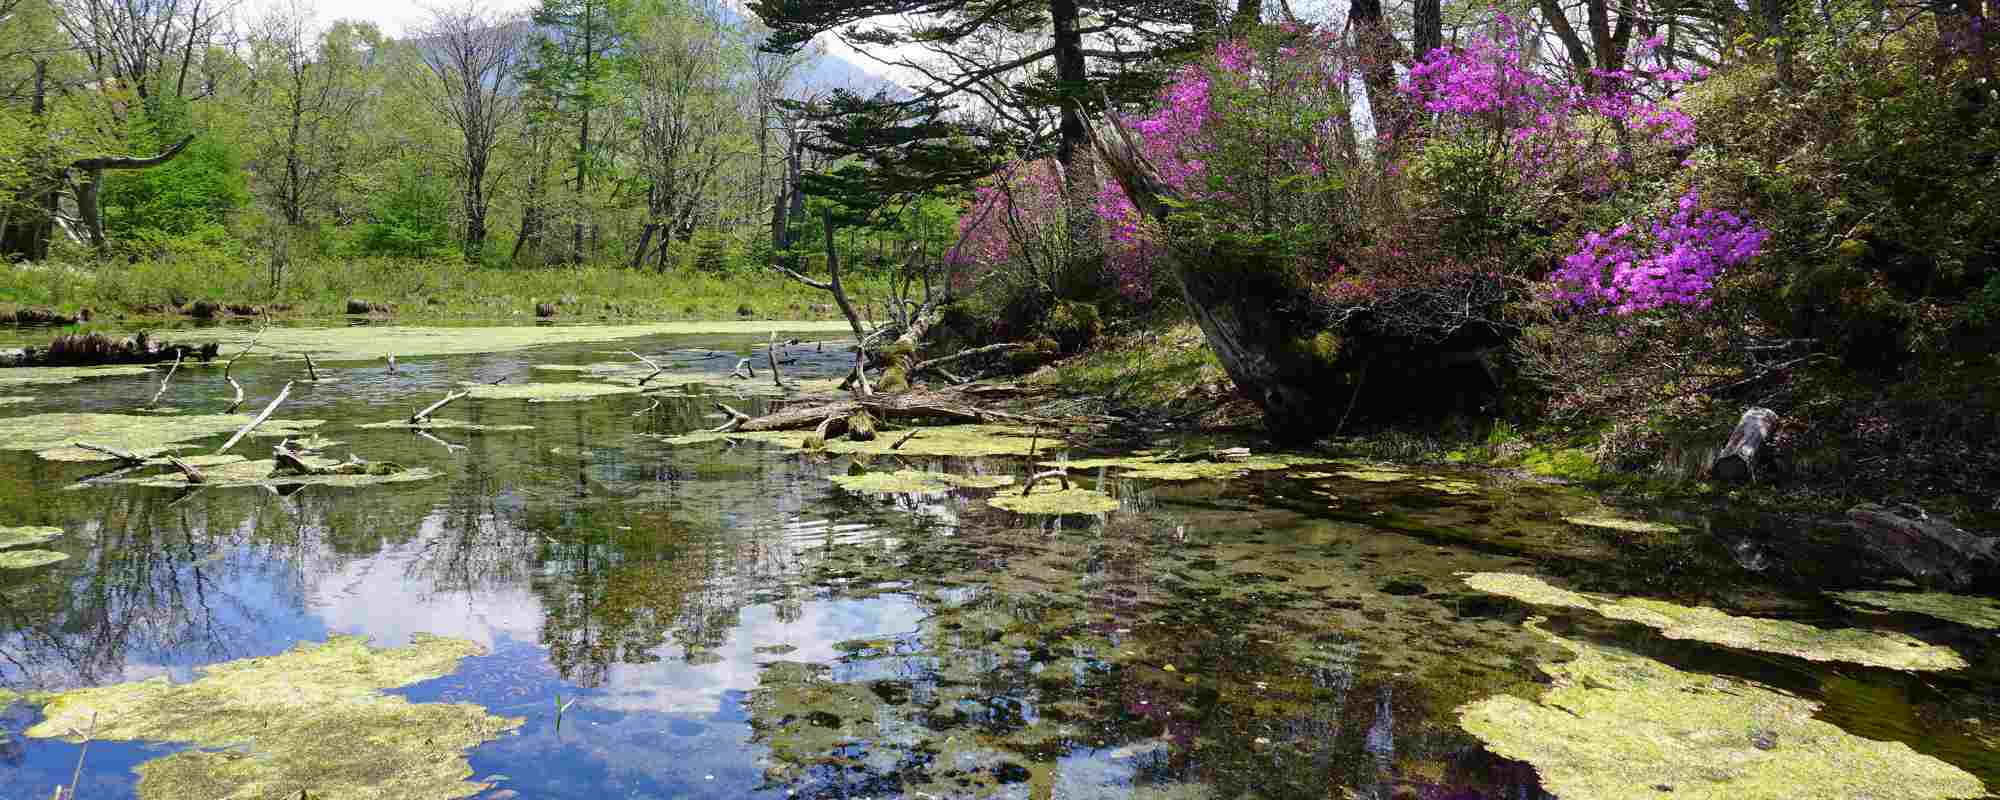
x,y
149,46
313,86
685,63
471,54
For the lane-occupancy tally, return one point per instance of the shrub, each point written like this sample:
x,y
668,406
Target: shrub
x,y
1073,325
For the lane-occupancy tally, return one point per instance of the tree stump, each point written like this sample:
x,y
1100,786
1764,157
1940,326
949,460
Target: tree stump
x,y
1738,460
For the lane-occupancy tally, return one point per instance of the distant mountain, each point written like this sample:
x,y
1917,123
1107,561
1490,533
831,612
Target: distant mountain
x,y
829,70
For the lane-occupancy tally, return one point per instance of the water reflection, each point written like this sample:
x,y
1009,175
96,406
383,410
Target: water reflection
x,y
729,625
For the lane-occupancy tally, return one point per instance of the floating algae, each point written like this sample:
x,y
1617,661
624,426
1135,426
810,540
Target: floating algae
x,y
266,473
22,537
374,343
1885,649
29,559
58,376
1620,524
1165,467
944,440
1376,475
315,718
442,424
547,392
1617,726
1064,501
916,481
1976,612
15,400
1451,486
53,435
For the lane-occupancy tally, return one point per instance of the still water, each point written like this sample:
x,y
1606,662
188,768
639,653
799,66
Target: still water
x,y
724,622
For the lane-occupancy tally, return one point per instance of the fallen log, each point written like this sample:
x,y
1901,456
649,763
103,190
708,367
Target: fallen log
x,y
944,361
917,404
129,458
1929,548
193,475
1738,460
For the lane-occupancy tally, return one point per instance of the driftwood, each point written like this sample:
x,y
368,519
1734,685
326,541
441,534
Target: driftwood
x,y
312,371
743,370
1738,461
1930,549
942,361
166,380
657,369
906,438
187,470
771,354
915,404
737,419
237,401
129,458
449,398
1059,473
245,431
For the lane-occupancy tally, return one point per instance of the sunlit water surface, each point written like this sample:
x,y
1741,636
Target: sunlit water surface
x,y
730,624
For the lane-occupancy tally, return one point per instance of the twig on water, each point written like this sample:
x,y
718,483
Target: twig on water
x,y
657,369
449,398
312,371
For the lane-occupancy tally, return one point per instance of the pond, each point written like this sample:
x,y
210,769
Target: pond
x,y
578,605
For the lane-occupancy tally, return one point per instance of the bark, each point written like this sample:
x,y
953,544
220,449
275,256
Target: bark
x,y
1250,316
1380,52
1428,33
1070,78
1738,461
1930,549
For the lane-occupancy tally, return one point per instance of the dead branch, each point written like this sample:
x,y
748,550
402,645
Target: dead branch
x,y
962,355
448,446
1059,473
771,354
449,398
129,458
236,402
743,370
282,394
231,364
946,404
311,370
906,438
657,369
193,475
736,419
169,378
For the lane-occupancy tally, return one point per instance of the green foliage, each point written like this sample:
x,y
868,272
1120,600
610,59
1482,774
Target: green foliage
x,y
711,254
412,219
196,190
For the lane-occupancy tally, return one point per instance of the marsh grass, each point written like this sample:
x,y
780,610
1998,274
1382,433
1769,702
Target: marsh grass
x,y
436,288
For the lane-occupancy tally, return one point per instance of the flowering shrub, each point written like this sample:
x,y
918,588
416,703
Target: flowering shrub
x,y
1673,260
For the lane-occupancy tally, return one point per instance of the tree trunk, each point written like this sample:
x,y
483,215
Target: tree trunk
x,y
1380,53
1428,33
645,238
1738,461
1070,79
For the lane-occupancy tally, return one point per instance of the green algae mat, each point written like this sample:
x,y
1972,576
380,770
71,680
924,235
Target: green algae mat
x,y
29,559
1886,649
25,536
378,342
53,436
943,440
910,481
316,718
1061,501
547,392
59,376
1616,726
1972,612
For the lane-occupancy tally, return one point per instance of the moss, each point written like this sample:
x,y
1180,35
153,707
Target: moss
x,y
1073,325
57,376
916,481
1618,726
52,435
1620,524
1976,612
546,392
1568,463
1310,475
861,427
894,379
1376,475
1886,649
1064,501
29,559
22,537
315,718
374,343
1451,487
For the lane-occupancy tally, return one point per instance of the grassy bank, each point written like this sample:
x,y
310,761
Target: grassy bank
x,y
419,289
1842,441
